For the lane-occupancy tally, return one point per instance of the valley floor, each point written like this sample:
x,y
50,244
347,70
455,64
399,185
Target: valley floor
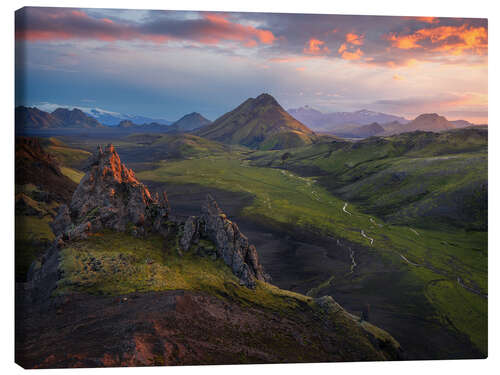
x,y
305,235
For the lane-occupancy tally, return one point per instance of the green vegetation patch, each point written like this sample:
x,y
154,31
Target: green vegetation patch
x,y
73,174
33,234
67,156
465,311
114,263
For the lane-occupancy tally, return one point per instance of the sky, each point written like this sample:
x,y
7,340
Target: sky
x,y
164,64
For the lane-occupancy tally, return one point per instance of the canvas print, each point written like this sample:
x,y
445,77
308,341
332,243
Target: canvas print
x,y
234,188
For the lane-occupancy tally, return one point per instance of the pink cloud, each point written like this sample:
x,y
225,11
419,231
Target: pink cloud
x,y
316,47
350,49
45,24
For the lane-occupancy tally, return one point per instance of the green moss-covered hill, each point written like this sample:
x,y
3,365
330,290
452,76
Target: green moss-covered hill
x,y
259,123
418,178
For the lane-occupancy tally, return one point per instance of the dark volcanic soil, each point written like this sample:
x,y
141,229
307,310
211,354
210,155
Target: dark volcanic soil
x,y
299,261
178,328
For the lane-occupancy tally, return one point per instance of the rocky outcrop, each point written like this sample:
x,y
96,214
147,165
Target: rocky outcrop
x,y
232,245
110,196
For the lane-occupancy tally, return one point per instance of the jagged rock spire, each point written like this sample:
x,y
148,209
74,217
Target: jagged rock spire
x,y
110,196
232,245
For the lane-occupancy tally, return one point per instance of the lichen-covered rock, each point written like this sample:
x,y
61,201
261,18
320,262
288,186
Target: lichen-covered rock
x,y
110,196
190,234
62,220
232,245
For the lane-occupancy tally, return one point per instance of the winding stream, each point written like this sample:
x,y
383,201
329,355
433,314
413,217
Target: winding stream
x,y
353,261
344,209
368,238
372,220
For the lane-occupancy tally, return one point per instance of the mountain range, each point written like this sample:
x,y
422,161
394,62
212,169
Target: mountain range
x,y
259,123
153,126
33,118
424,122
320,121
104,116
114,118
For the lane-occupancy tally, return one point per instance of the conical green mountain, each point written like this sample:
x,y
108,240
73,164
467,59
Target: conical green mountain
x,y
259,123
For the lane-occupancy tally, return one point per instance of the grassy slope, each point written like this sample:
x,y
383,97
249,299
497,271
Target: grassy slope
x,y
187,145
425,179
117,263
67,156
288,199
113,263
32,236
33,233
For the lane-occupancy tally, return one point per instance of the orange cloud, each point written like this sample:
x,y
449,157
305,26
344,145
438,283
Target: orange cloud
x,y
354,39
348,50
356,55
397,77
404,42
316,47
454,40
428,19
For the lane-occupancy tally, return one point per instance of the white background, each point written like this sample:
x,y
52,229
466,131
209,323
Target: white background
x,y
442,8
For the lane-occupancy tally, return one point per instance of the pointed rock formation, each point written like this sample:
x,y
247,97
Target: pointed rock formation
x,y
110,196
232,245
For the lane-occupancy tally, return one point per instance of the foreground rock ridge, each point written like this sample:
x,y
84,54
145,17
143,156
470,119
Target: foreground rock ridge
x,y
169,307
109,196
232,245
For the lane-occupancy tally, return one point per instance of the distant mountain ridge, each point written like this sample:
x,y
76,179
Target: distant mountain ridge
x,y
362,131
34,118
320,121
105,117
185,124
424,122
114,118
260,123
153,126
189,122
